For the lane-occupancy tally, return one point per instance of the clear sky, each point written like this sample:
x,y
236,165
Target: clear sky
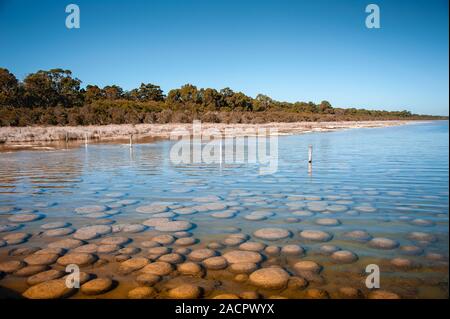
x,y
290,50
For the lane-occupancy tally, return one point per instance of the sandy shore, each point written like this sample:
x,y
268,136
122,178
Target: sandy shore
x,y
38,134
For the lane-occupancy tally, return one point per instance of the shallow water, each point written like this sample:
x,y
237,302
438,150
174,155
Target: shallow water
x,y
389,182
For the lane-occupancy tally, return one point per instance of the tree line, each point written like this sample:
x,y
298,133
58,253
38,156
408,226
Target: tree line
x,y
55,97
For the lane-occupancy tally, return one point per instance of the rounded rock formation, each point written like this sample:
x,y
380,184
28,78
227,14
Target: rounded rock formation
x,y
52,289
272,233
97,286
269,278
185,291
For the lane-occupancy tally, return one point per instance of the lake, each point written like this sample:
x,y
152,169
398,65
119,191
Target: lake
x,y
372,196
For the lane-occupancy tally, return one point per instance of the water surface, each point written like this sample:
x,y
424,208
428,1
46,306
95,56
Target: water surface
x,y
389,182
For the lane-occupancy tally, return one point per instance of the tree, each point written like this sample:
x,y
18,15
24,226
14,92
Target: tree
x,y
262,102
189,94
147,92
68,88
173,97
240,101
92,93
211,98
9,88
52,88
237,100
113,92
325,107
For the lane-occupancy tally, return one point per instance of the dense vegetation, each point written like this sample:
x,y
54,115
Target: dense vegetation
x,y
55,97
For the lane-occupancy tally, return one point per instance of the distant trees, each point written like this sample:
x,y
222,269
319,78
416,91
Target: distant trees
x,y
113,92
147,92
52,88
56,97
93,93
9,88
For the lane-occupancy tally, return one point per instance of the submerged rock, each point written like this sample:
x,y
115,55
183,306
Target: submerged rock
x,y
328,249
174,226
115,241
383,243
297,283
344,257
11,266
215,263
201,254
55,225
66,243
80,259
97,286
272,233
402,262
45,276
239,256
25,218
421,236
185,291
52,289
57,232
91,232
158,268
141,292
315,235
272,250
41,259
190,269
164,239
327,222
337,208
133,264
243,267
359,235
90,209
315,293
172,258
252,246
148,279
269,278
186,241
307,265
88,248
411,250
16,238
152,209
9,227
292,250
30,270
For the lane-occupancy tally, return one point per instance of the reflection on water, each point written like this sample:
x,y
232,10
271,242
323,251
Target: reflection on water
x,y
391,183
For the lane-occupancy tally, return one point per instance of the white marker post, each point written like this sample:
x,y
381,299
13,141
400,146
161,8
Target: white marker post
x,y
310,150
131,140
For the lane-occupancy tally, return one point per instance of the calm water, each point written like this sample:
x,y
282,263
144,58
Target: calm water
x,y
389,182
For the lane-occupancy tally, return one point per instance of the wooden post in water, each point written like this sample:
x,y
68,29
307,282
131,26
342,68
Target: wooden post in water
x,y
310,150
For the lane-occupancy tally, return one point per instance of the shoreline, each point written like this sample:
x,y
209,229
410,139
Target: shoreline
x,y
35,136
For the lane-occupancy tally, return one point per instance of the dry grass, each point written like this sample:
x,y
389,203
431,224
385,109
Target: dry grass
x,y
10,135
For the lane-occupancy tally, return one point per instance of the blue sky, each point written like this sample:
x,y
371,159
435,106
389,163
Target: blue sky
x,y
290,50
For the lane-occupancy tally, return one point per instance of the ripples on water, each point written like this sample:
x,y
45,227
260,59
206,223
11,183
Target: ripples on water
x,y
401,173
